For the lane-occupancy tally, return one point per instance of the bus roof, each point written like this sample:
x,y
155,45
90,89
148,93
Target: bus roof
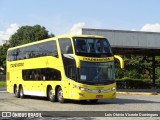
x,y
54,38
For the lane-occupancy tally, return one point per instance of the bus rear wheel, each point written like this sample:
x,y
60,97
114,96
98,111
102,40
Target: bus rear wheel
x,y
51,96
60,95
16,92
21,92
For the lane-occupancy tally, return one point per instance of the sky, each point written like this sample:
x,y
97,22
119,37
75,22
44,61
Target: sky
x,y
68,16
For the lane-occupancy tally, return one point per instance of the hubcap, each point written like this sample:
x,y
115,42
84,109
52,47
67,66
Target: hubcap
x,y
60,95
50,94
16,91
21,92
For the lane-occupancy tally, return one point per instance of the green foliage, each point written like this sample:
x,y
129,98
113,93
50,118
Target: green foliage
x,y
136,67
27,34
3,54
137,70
133,84
158,83
2,84
126,78
24,34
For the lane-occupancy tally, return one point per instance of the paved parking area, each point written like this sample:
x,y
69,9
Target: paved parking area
x,y
122,103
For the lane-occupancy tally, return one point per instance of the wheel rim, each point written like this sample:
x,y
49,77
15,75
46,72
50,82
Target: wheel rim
x,y
16,91
21,92
50,94
60,95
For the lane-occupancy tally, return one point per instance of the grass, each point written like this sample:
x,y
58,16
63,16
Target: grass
x,y
2,84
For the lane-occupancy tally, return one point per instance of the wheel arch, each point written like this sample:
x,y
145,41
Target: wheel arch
x,y
55,90
48,86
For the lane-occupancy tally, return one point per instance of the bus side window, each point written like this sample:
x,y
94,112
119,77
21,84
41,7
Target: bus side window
x,y
81,46
41,74
68,49
65,46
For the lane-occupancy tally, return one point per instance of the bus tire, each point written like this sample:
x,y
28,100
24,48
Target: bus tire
x,y
51,96
21,92
16,92
60,95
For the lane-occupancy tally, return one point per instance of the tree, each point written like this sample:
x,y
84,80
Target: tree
x,y
24,34
27,34
136,67
3,54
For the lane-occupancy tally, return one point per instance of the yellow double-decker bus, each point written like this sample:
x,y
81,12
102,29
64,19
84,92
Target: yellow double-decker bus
x,y
77,67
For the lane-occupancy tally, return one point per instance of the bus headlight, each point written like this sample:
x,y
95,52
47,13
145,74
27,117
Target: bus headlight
x,y
84,89
80,88
108,90
113,88
95,91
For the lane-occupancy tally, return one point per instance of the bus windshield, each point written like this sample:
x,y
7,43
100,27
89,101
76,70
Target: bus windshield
x,y
92,46
95,72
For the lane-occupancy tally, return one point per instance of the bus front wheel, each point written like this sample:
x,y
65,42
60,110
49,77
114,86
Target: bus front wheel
x,y
60,95
51,96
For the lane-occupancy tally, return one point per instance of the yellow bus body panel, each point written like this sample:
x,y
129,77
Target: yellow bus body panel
x,y
71,89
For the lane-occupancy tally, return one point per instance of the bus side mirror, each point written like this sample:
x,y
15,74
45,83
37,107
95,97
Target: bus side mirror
x,y
120,60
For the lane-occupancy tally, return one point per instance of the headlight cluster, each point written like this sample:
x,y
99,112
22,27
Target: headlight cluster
x,y
81,88
108,90
95,91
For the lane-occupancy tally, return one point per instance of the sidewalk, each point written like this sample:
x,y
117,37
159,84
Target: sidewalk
x,y
139,91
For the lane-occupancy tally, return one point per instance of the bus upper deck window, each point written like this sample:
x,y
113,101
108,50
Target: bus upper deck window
x,y
81,44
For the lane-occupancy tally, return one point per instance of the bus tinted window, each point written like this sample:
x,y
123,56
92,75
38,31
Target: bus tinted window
x,y
65,46
37,50
41,74
92,47
12,55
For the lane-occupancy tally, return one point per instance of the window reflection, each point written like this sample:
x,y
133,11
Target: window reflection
x,y
96,71
48,48
92,45
41,74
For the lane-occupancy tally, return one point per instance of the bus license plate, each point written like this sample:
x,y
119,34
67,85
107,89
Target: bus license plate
x,y
99,96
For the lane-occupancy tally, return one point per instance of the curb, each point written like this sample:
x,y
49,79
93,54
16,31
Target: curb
x,y
3,91
138,93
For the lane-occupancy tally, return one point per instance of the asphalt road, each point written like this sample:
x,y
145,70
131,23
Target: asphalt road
x,y
122,103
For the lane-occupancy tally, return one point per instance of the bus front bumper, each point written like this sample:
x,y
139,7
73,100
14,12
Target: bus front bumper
x,y
93,94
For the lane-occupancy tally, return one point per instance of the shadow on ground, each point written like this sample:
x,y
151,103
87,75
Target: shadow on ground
x,y
100,102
